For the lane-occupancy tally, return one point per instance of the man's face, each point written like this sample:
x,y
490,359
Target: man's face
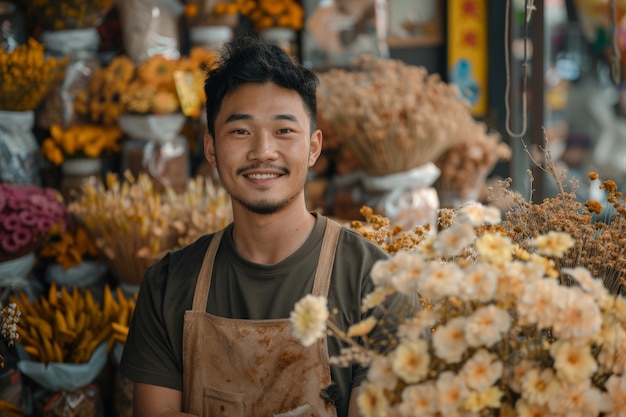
x,y
263,147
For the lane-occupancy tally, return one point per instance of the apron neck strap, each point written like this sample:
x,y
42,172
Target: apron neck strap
x,y
327,258
201,294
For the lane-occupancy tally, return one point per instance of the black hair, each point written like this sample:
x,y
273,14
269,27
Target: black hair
x,y
248,59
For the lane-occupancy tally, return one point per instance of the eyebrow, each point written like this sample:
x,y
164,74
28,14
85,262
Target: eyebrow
x,y
244,116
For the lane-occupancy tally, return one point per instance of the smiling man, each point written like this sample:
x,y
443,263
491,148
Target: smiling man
x,y
210,335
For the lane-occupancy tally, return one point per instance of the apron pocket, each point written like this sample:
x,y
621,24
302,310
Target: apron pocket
x,y
221,403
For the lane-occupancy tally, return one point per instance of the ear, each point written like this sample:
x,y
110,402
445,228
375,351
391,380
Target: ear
x,y
209,150
316,147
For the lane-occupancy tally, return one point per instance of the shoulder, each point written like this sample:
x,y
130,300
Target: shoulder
x,y
356,244
177,267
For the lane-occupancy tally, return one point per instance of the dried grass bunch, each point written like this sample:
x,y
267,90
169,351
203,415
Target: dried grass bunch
x,y
599,232
392,116
133,225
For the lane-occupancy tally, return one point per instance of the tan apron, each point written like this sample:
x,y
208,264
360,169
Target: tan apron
x,y
239,368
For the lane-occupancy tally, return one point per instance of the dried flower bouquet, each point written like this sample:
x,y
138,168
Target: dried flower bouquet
x,y
519,317
392,116
133,225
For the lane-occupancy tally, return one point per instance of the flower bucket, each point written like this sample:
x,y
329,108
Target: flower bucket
x,y
286,38
13,273
22,156
156,147
76,172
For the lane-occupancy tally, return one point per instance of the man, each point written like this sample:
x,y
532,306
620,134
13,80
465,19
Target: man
x,y
210,335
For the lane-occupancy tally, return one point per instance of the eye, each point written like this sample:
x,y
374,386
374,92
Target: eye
x,y
285,131
239,131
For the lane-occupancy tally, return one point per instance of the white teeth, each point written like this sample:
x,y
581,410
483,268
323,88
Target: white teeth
x,y
262,176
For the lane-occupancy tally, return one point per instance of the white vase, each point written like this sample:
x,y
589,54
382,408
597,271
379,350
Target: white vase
x,y
76,173
286,38
22,157
14,273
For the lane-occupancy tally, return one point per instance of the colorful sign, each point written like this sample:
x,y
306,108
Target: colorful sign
x,y
467,51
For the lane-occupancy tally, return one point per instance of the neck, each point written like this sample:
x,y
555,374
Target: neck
x,y
268,239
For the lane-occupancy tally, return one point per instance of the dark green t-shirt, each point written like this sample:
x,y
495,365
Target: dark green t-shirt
x,y
244,290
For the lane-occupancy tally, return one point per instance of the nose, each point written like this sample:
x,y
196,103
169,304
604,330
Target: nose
x,y
262,147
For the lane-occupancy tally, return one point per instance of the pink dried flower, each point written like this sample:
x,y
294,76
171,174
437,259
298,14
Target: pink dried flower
x,y
28,213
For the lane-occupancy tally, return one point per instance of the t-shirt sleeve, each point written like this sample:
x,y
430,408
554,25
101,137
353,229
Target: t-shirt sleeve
x,y
149,355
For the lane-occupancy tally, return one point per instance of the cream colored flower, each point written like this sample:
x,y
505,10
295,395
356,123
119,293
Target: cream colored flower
x,y
593,286
538,386
425,247
485,326
494,248
451,393
418,325
613,355
382,271
616,396
573,363
372,401
516,374
406,282
490,397
577,400
510,286
381,374
553,243
579,317
363,327
530,270
419,400
376,297
479,214
308,319
524,409
479,283
440,280
449,340
536,304
614,306
482,370
451,241
411,360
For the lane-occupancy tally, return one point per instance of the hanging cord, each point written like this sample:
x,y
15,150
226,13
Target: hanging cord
x,y
615,58
529,8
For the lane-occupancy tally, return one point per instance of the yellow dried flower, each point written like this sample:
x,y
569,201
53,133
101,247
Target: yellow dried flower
x,y
26,76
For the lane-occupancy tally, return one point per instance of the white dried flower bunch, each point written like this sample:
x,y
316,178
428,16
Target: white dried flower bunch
x,y
9,318
392,116
500,332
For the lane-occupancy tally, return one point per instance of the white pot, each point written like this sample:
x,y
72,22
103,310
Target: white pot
x,y
81,166
211,37
84,274
14,272
152,127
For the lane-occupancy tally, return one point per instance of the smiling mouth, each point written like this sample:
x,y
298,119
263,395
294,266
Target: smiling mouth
x,y
262,176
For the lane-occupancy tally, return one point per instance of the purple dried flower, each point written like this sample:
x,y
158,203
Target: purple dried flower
x,y
3,199
44,224
22,236
28,218
9,245
10,221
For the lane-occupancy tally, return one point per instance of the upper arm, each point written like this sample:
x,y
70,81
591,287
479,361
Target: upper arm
x,y
353,408
154,401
